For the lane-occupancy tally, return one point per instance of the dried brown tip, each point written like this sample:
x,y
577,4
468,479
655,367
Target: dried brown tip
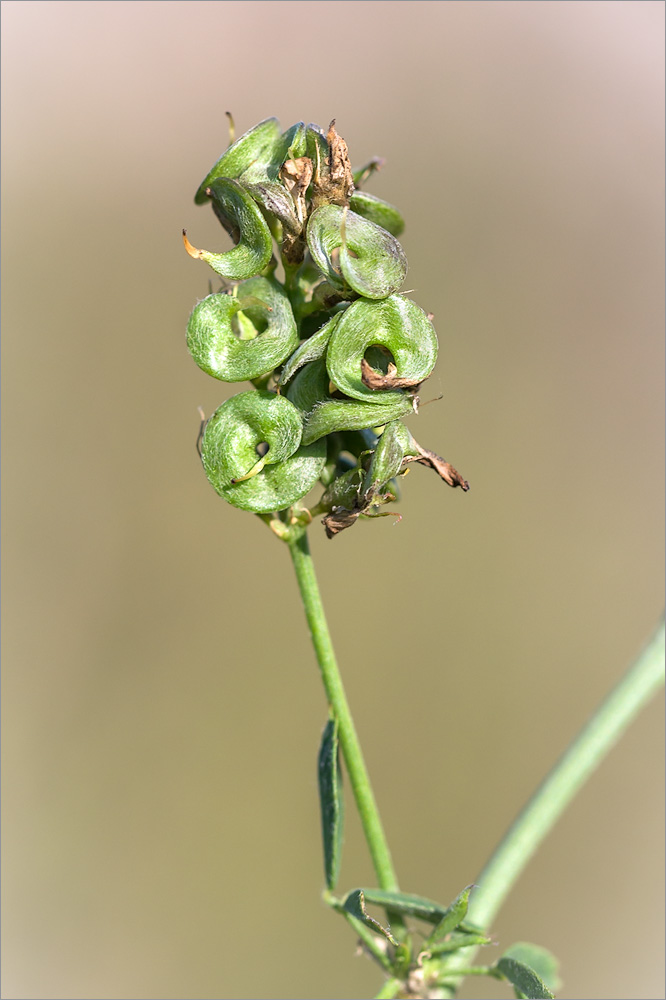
x,y
339,519
443,469
193,252
341,179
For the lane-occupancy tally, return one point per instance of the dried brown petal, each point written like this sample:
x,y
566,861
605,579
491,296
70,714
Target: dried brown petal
x,y
339,166
296,176
376,380
335,183
339,519
443,469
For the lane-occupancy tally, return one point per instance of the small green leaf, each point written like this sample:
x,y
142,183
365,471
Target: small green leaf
x,y
540,959
332,802
377,211
453,917
524,979
406,903
354,903
454,941
243,218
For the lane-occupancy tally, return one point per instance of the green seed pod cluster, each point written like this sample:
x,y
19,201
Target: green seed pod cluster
x,y
335,353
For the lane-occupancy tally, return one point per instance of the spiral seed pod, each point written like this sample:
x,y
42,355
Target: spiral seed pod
x,y
371,261
395,323
266,168
257,144
344,349
377,211
259,483
323,415
242,336
244,220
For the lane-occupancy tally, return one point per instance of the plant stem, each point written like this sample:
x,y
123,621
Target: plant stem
x,y
552,797
390,989
335,693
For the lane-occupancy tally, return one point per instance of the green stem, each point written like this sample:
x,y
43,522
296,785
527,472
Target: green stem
x,y
552,797
390,989
351,748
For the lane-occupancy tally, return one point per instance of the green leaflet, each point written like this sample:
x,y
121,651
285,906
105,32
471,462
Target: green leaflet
x,y
539,959
243,219
395,323
371,261
523,979
362,174
454,915
380,212
354,903
255,145
331,801
455,941
402,902
261,310
229,452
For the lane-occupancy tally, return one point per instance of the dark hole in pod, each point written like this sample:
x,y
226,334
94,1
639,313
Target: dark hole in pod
x,y
262,448
379,358
345,462
249,323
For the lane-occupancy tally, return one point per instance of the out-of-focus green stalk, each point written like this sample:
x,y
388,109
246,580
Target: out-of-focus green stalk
x,y
552,797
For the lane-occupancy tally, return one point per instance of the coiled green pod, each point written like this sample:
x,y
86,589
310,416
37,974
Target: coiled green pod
x,y
323,415
395,323
257,144
380,212
245,335
346,351
245,222
371,261
233,465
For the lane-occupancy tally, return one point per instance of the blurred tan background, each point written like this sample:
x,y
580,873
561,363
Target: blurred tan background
x,y
162,708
